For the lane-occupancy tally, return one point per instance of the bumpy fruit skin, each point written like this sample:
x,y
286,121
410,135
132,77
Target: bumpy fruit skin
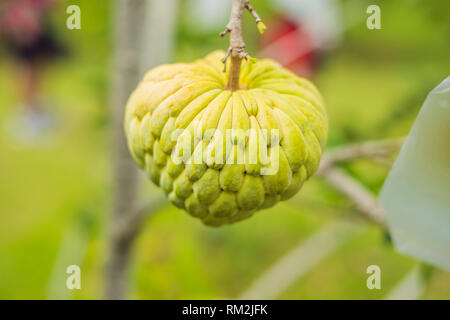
x,y
193,97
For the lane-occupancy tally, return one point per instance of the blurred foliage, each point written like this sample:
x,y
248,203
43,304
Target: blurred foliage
x,y
374,84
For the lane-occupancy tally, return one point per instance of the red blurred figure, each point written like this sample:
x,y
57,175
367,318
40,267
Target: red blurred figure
x,y
288,43
25,30
299,36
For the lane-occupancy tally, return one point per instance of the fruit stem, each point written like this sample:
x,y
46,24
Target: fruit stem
x,y
236,50
235,71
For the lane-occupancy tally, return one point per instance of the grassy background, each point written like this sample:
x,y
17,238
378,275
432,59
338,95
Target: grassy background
x,y
54,200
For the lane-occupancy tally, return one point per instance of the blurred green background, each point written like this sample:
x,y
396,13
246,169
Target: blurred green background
x,y
55,200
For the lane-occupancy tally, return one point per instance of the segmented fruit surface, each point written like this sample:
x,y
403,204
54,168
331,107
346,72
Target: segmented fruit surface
x,y
223,155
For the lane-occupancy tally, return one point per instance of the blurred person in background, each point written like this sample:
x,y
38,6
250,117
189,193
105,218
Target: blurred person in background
x,y
290,44
301,32
26,34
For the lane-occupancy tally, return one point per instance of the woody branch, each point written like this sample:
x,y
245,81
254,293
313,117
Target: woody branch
x,y
236,52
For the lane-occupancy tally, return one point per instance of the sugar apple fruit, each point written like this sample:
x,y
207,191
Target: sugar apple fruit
x,y
224,155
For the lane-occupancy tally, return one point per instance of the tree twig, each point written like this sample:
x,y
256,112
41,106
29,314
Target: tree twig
x,y
124,170
236,50
237,43
253,12
122,238
364,200
126,217
127,228
224,60
371,149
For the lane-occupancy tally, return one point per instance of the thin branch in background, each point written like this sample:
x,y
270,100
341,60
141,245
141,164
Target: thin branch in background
x,y
413,286
253,12
383,161
364,200
72,249
225,32
134,52
302,259
371,149
126,229
123,236
125,172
